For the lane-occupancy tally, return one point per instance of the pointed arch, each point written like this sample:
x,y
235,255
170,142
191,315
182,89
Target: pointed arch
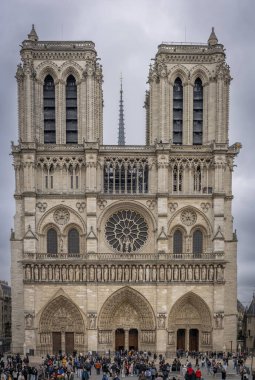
x,y
61,314
49,110
178,111
131,300
190,309
71,110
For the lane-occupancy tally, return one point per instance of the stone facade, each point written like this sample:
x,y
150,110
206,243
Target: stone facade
x,y
123,246
5,317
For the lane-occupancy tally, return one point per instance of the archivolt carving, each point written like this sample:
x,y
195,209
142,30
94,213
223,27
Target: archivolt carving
x,y
61,315
126,307
190,309
71,67
45,68
178,71
201,218
200,71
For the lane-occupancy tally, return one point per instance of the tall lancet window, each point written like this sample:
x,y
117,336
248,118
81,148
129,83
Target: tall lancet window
x,y
49,110
177,111
71,111
198,112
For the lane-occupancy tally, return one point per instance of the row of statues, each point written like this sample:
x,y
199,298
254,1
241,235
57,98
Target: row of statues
x,y
123,273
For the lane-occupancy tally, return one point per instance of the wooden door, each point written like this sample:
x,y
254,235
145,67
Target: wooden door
x,y
181,339
133,339
193,340
56,342
119,339
69,339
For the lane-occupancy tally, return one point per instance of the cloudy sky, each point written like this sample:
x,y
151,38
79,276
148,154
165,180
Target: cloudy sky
x,y
126,34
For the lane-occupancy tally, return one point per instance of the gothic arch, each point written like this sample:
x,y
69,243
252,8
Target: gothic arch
x,y
190,310
128,300
71,68
61,314
200,71
47,68
203,221
178,71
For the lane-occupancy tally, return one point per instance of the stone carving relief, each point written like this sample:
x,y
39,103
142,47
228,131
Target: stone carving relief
x,y
92,317
42,206
205,206
171,338
218,320
126,316
151,204
105,337
148,336
29,321
172,206
102,203
126,273
188,217
61,216
81,206
161,321
206,338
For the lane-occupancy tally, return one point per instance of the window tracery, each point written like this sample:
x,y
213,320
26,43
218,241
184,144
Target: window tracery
x,y
197,243
178,242
49,110
52,241
177,111
126,231
73,241
177,178
71,111
198,112
126,176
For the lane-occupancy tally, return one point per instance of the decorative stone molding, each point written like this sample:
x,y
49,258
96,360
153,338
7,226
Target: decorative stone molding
x,y
218,320
172,206
61,216
81,206
104,337
205,206
171,340
151,204
101,203
29,321
148,336
42,206
188,217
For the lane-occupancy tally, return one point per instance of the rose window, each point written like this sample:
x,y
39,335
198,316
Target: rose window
x,y
126,231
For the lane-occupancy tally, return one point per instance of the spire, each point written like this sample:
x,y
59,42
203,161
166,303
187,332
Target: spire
x,y
32,36
121,136
213,40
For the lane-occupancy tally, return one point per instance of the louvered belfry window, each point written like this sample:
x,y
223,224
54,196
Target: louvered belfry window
x,y
177,111
73,241
177,242
198,112
52,241
49,110
71,111
197,243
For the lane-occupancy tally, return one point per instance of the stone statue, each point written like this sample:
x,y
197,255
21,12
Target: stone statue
x,y
147,273
29,321
119,273
154,273
84,273
203,273
28,272
105,273
71,273
64,276
183,273
140,273
50,272
99,273
57,274
220,273
44,277
171,338
169,273
92,273
113,273
134,273
77,273
36,273
126,272
161,273
211,273
196,273
175,273
190,274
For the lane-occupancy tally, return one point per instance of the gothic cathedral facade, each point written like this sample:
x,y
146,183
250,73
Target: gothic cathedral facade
x,y
123,247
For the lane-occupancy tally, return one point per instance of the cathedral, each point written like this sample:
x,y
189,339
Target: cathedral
x,y
123,246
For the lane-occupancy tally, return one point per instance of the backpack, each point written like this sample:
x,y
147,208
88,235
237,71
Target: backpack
x,y
147,373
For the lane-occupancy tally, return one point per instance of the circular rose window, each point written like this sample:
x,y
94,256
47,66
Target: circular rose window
x,y
126,231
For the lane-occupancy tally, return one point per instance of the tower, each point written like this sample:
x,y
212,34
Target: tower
x,y
123,246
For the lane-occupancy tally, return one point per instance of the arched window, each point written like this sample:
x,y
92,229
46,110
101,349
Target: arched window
x,y
52,241
49,110
177,111
177,178
198,112
73,241
71,111
197,179
177,246
197,243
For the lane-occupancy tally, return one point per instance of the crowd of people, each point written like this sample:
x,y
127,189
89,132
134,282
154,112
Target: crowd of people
x,y
144,366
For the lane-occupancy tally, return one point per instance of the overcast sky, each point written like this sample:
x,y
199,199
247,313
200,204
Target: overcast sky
x,y
126,34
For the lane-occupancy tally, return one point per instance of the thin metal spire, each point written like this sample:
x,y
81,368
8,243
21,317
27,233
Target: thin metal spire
x,y
121,135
